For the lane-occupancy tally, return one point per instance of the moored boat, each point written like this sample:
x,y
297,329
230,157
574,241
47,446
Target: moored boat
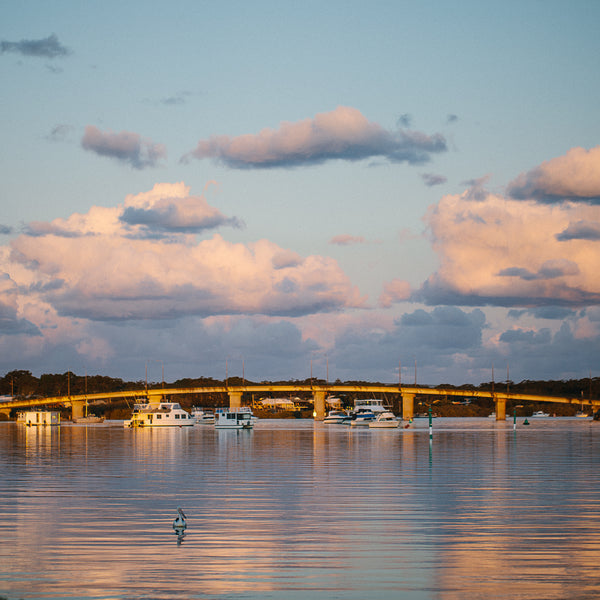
x,y
385,420
203,416
362,418
159,414
234,418
336,417
540,413
88,419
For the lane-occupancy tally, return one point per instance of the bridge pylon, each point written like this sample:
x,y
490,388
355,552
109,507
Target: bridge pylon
x,y
408,405
500,403
235,399
319,405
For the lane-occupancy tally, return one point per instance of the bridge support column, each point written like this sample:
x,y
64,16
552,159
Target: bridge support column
x,y
500,408
235,399
6,413
319,405
77,408
408,406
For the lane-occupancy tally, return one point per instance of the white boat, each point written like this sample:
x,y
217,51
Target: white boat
x,y
540,413
234,418
385,420
159,414
373,404
41,418
362,418
336,417
203,416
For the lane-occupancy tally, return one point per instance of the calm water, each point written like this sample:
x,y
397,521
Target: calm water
x,y
295,509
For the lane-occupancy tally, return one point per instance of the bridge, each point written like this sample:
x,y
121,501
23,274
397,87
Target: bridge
x,y
319,394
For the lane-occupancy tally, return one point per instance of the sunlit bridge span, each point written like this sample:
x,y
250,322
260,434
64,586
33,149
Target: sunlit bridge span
x,y
241,394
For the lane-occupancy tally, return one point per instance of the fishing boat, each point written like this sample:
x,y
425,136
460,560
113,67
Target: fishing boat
x,y
336,417
234,418
159,414
385,420
203,416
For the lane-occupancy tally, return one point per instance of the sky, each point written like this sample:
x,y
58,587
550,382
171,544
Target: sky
x,y
382,191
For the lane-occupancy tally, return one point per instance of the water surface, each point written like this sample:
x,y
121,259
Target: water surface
x,y
296,508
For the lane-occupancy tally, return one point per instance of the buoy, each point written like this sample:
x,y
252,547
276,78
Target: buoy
x,y
525,422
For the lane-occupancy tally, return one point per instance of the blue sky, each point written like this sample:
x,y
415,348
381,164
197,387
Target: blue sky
x,y
273,184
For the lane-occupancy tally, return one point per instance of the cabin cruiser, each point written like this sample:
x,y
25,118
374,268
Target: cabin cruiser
x,y
362,417
234,418
159,414
337,416
203,416
373,404
385,420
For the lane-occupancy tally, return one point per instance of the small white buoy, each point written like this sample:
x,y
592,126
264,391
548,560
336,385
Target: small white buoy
x,y
179,522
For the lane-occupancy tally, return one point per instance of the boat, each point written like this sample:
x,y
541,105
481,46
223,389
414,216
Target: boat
x,y
337,416
42,418
373,404
539,413
203,416
385,420
582,414
88,419
159,414
362,418
234,418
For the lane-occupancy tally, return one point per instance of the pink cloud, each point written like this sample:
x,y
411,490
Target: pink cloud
x,y
92,266
125,146
343,133
494,250
394,291
347,240
574,176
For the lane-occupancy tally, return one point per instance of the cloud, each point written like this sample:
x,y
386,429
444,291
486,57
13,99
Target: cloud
x,y
431,179
346,239
168,208
580,230
176,99
574,176
10,321
126,147
343,134
498,251
5,230
394,291
48,47
105,266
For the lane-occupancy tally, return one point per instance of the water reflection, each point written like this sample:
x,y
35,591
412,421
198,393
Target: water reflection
x,y
293,508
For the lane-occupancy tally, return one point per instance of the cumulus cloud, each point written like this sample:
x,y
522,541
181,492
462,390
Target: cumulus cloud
x,y
343,134
168,208
499,251
104,265
574,176
48,47
125,147
346,239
